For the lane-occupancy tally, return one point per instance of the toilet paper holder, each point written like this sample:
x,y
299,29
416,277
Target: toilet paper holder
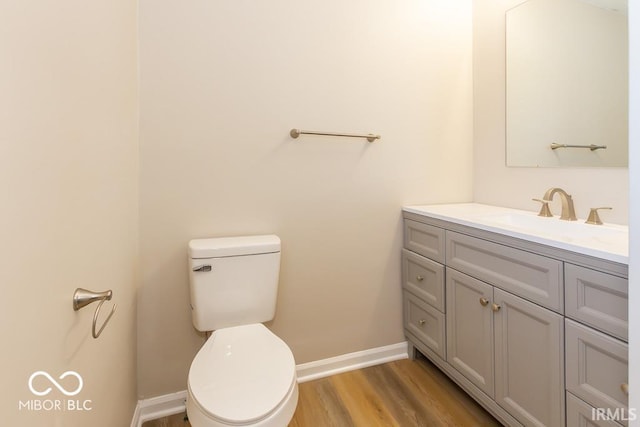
x,y
83,297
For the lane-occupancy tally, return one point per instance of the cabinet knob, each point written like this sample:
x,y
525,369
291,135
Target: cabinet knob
x,y
419,278
422,322
495,307
484,301
625,389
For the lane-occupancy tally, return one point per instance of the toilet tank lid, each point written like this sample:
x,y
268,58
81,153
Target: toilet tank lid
x,y
232,246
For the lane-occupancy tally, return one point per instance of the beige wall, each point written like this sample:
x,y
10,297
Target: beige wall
x,y
69,191
494,183
222,84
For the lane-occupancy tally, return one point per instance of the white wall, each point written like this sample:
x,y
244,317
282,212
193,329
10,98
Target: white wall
x,y
69,209
496,184
634,213
222,84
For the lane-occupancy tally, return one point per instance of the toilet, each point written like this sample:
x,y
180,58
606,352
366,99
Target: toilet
x,y
244,375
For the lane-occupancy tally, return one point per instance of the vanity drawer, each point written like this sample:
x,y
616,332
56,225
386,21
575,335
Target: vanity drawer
x,y
424,278
531,276
425,323
596,367
424,239
581,414
597,299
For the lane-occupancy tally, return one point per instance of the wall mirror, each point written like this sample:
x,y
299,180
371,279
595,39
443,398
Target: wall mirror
x,y
567,83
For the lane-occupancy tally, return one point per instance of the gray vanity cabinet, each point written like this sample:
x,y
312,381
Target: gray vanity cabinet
x,y
532,332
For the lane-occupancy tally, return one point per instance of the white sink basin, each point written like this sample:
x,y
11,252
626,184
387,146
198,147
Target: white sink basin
x,y
569,231
607,241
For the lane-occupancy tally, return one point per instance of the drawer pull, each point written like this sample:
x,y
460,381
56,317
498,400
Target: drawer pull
x,y
484,301
625,389
422,322
419,278
495,307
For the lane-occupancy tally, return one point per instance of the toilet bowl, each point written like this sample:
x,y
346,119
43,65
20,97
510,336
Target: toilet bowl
x,y
242,376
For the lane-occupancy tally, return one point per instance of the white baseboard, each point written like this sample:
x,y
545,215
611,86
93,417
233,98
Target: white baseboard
x,y
159,407
174,403
350,362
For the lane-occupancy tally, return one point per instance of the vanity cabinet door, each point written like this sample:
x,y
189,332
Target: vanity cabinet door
x,y
529,360
470,329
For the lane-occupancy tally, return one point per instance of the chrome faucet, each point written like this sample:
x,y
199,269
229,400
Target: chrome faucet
x,y
568,211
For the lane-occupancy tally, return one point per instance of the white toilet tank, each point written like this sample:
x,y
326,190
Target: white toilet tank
x,y
233,280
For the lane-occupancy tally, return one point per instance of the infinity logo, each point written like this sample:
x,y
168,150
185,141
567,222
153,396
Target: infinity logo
x,y
55,383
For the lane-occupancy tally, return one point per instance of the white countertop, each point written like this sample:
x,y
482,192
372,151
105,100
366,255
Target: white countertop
x,y
608,241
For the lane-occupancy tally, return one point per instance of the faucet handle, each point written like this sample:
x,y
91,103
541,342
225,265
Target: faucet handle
x,y
594,218
544,209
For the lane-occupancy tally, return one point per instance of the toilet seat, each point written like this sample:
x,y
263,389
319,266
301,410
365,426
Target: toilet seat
x,y
242,374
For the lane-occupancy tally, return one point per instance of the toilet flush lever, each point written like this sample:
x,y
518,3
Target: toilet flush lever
x,y
204,268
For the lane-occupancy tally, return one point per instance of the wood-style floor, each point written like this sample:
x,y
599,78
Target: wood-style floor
x,y
404,393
